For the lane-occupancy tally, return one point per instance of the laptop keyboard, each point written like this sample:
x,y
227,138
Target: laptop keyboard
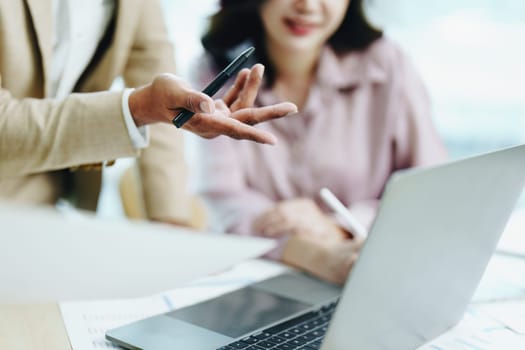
x,y
304,332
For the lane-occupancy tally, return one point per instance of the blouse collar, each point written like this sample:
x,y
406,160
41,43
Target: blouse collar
x,y
349,70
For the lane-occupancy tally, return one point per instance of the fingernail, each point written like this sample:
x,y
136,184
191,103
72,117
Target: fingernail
x,y
261,72
272,140
289,108
205,107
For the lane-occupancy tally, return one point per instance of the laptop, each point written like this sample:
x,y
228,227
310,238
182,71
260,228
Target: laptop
x,y
434,234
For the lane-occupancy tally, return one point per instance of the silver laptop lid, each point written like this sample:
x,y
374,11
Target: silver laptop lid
x,y
432,239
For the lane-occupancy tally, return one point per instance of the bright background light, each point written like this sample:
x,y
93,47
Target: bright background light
x,y
470,53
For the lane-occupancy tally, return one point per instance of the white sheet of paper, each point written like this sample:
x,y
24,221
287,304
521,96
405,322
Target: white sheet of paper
x,y
510,313
504,279
477,331
513,238
46,256
87,321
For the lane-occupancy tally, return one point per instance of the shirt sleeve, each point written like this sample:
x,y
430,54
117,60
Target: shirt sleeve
x,y
51,134
139,136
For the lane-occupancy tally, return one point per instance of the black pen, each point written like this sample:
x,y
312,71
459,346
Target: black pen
x,y
216,84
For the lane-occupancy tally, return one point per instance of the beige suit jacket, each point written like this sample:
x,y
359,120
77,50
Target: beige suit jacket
x,y
40,137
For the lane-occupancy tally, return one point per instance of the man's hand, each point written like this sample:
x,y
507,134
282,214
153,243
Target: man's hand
x,y
233,116
299,216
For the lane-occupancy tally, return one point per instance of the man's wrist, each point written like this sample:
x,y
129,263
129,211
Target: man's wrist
x,y
139,136
136,106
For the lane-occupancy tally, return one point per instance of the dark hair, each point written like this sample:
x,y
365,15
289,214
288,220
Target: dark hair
x,y
239,21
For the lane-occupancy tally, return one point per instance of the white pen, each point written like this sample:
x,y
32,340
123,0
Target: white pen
x,y
355,227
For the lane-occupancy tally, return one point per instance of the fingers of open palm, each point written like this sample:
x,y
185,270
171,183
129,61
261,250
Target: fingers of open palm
x,y
194,125
179,95
240,131
247,95
233,92
210,126
254,116
221,109
238,126
204,124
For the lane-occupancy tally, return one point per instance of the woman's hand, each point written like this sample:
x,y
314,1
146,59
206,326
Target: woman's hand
x,y
297,217
330,260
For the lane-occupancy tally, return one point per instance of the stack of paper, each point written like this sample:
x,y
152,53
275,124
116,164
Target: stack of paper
x,y
46,256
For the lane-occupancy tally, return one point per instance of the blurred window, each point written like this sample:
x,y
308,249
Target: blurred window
x,y
470,53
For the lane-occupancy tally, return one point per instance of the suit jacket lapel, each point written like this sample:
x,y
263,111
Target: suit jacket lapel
x,y
112,52
42,16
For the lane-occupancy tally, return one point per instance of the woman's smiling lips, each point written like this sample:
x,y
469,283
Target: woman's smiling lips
x,y
298,27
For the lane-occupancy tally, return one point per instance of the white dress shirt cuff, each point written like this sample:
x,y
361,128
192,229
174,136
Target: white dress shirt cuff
x,y
139,136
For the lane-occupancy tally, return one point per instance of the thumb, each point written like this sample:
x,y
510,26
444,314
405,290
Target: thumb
x,y
198,102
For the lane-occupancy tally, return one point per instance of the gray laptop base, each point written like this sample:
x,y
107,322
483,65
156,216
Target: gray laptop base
x,y
434,234
218,321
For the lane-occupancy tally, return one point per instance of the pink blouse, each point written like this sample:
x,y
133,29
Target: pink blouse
x,y
367,115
